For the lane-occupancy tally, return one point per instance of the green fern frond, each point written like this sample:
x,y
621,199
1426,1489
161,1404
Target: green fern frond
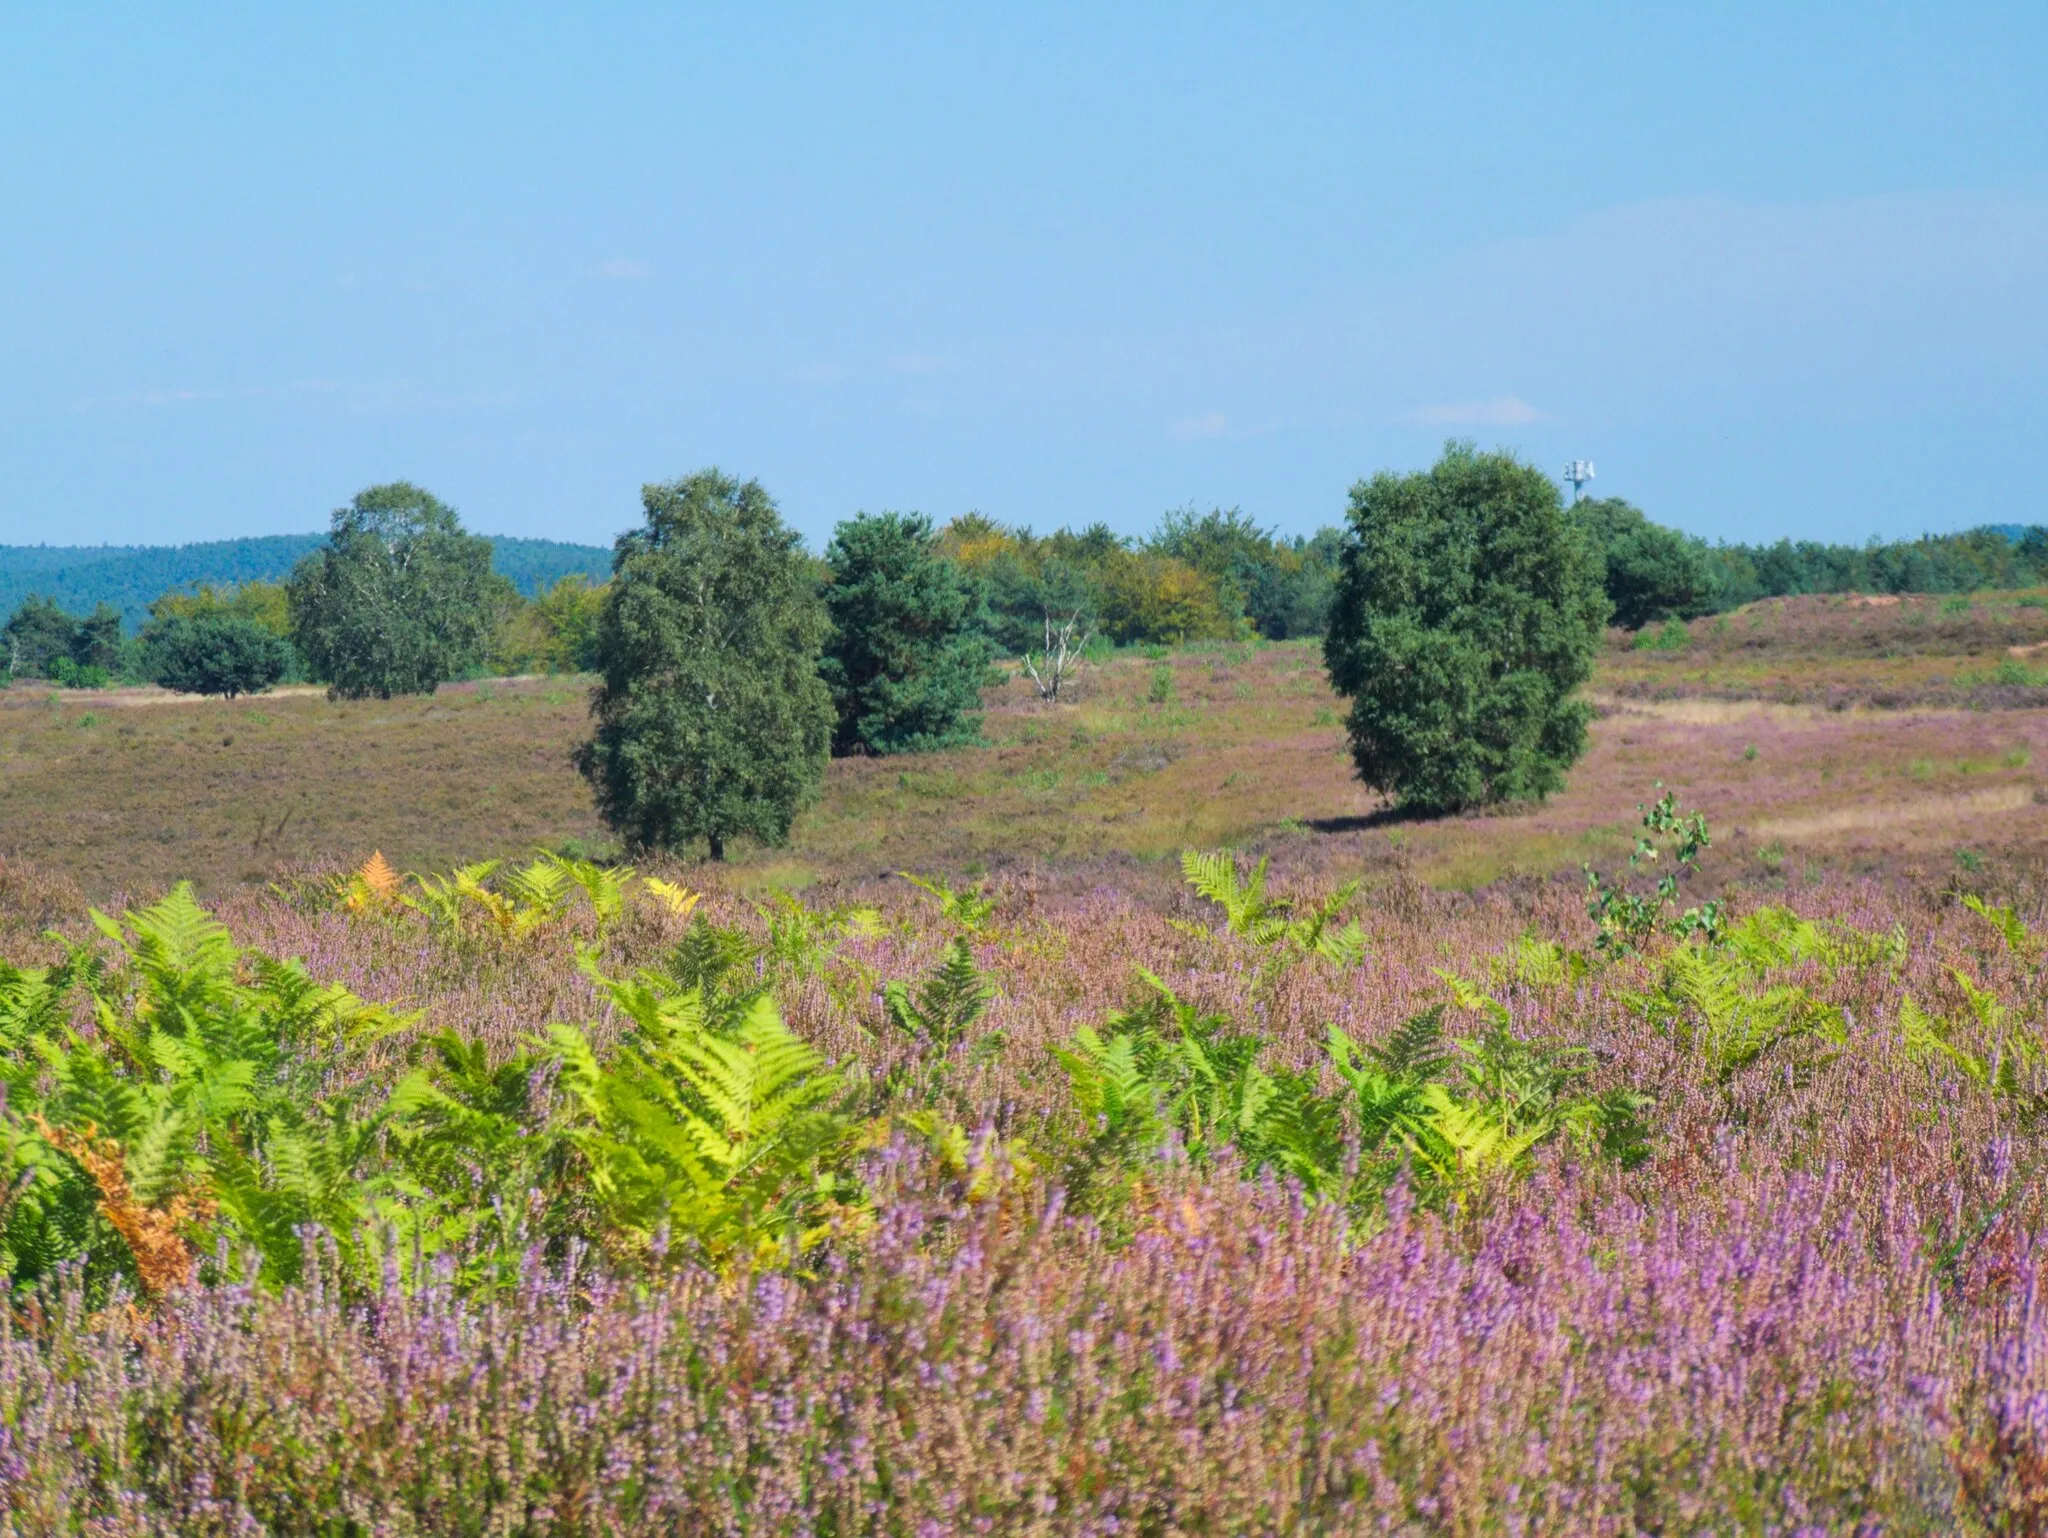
x,y
1775,937
717,1133
1415,1049
1469,995
1246,909
971,908
176,936
1318,934
1540,963
1929,1039
948,1003
540,889
604,887
2011,928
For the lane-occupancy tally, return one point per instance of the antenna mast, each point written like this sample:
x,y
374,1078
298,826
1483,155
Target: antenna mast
x,y
1578,472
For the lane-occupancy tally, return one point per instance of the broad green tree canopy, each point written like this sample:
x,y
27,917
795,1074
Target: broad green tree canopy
x,y
399,600
712,721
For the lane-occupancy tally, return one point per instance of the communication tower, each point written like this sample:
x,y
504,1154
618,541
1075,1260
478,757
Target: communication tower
x,y
1578,472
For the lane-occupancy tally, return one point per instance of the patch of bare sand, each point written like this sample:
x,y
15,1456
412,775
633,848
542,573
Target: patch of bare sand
x,y
1710,712
129,699
1891,814
1698,712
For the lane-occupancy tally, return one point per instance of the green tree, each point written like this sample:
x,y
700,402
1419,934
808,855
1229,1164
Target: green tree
x,y
1151,597
39,634
399,599
1022,581
261,603
1283,588
217,654
1468,612
43,641
907,656
556,632
712,721
1291,598
1652,573
96,643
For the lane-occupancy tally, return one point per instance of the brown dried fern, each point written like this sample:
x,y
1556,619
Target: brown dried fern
x,y
163,1258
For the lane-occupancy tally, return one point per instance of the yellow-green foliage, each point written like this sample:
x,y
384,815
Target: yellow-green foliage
x,y
715,1136
554,632
2011,929
970,908
263,603
516,904
194,1117
1151,597
185,1114
1277,923
1988,1046
1717,1000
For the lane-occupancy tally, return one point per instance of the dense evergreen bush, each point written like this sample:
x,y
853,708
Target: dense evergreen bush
x,y
1652,572
216,654
712,721
1467,614
907,658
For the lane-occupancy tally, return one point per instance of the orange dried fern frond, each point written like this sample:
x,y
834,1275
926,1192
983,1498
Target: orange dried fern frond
x,y
378,875
163,1258
373,887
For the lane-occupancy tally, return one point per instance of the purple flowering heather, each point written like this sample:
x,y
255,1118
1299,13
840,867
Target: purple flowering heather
x,y
1815,1307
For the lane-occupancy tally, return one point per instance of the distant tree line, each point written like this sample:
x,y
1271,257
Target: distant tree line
x,y
1655,573
1460,609
131,578
1990,557
1199,576
399,597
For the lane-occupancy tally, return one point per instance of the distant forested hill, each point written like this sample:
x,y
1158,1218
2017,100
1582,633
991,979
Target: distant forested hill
x,y
130,576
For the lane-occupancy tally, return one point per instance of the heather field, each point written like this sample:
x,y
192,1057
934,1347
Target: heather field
x,y
1982,651
125,791
1073,1188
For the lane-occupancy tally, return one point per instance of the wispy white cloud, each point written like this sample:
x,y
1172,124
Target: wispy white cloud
x,y
296,387
144,398
819,374
1501,411
1210,424
622,269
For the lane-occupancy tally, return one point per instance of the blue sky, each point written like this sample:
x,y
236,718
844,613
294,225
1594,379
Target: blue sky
x,y
1779,269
